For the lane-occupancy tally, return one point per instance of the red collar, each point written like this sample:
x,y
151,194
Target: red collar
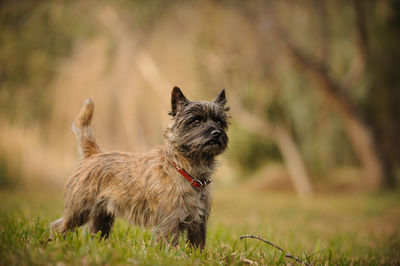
x,y
195,182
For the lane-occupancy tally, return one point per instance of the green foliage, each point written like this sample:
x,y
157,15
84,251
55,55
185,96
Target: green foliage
x,y
249,152
314,124
326,230
143,12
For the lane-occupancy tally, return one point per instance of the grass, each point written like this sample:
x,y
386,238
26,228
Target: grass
x,y
333,229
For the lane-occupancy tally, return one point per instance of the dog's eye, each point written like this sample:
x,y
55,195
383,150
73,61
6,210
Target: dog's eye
x,y
220,123
196,122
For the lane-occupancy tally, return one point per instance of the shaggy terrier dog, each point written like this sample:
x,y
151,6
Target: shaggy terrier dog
x,y
166,189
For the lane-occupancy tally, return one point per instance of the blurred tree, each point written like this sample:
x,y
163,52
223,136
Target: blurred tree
x,y
381,105
369,151
284,140
287,65
34,37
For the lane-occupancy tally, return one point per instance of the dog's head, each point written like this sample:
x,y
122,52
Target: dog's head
x,y
198,129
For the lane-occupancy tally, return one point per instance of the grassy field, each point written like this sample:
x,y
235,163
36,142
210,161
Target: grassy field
x,y
334,230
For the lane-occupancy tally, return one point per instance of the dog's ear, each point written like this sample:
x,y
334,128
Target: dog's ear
x,y
177,100
221,99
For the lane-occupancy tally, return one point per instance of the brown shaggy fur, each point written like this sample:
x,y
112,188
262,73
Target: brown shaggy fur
x,y
146,189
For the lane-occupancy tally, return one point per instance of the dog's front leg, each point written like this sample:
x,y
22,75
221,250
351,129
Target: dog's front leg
x,y
197,235
168,233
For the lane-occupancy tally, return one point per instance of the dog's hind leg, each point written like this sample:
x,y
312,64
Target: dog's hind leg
x,y
69,223
101,221
56,227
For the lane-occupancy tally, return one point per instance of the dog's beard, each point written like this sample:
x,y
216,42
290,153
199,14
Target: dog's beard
x,y
199,146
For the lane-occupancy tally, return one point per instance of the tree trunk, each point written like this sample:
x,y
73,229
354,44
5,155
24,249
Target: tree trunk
x,y
283,138
360,135
294,161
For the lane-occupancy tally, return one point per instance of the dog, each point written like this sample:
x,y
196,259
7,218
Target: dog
x,y
167,189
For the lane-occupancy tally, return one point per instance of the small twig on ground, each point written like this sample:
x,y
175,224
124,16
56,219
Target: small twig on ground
x,y
287,255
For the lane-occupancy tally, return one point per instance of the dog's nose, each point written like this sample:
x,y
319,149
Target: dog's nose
x,y
216,133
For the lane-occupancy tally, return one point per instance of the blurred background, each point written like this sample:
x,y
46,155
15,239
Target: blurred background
x,y
313,86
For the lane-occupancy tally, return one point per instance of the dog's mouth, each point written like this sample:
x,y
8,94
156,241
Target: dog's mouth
x,y
213,143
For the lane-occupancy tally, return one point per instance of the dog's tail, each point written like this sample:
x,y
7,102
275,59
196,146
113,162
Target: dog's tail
x,y
87,145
